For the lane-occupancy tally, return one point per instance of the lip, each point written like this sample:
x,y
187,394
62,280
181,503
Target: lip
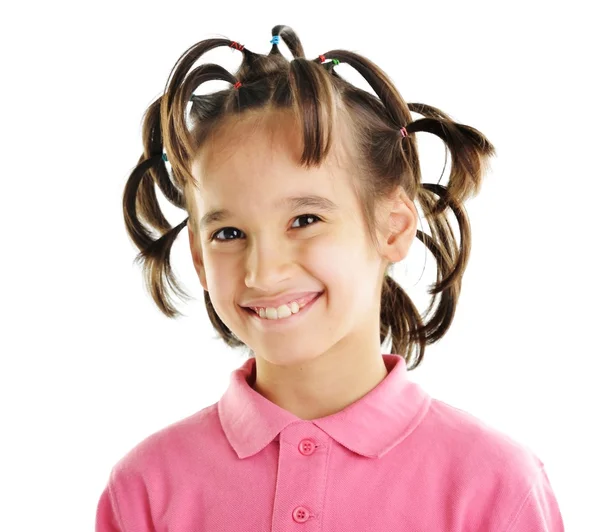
x,y
286,322
282,300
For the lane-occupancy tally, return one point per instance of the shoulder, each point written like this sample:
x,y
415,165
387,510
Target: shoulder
x,y
490,474
172,442
155,469
480,443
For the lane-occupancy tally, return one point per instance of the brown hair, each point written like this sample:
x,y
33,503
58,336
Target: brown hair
x,y
316,95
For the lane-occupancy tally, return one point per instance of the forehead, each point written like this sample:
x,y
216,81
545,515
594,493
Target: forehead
x,y
256,158
238,139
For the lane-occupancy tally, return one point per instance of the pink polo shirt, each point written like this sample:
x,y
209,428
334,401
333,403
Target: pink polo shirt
x,y
395,460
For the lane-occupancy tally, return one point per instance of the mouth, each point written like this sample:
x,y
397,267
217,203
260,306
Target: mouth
x,y
283,322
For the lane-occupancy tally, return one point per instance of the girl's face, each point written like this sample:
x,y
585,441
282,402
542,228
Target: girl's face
x,y
264,247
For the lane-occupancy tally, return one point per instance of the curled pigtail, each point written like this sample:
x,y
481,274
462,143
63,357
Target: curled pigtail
x,y
179,142
400,320
153,146
379,82
136,209
399,317
470,151
193,54
158,273
289,37
141,209
143,217
140,204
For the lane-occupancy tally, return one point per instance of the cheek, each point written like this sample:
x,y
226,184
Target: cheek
x,y
220,272
328,259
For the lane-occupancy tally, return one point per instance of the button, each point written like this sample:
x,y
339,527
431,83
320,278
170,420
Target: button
x,y
307,447
300,514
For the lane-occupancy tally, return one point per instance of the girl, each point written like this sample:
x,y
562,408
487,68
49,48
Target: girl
x,y
300,192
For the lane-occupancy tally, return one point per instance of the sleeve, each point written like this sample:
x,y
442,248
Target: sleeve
x,y
107,516
539,512
124,505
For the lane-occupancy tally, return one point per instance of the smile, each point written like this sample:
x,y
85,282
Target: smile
x,y
283,316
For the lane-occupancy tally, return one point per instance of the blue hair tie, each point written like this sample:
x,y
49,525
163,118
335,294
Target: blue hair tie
x,y
275,39
164,157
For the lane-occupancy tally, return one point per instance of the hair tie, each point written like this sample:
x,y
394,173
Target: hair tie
x,y
334,61
275,39
236,45
237,85
164,157
404,132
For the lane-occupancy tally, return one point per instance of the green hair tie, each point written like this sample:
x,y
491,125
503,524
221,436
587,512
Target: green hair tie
x,y
335,61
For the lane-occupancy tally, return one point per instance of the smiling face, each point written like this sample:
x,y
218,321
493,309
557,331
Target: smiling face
x,y
265,247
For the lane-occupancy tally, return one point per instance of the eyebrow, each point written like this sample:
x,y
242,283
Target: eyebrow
x,y
293,202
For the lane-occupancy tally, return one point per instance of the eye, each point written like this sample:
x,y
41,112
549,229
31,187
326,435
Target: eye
x,y
233,229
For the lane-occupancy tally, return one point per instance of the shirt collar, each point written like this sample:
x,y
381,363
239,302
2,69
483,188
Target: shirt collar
x,y
371,426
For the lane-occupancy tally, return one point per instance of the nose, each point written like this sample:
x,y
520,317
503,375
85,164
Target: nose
x,y
267,265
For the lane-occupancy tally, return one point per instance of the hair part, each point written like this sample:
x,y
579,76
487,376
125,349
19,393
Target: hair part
x,y
320,100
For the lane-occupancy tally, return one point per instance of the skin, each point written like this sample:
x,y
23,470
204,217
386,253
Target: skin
x,y
333,358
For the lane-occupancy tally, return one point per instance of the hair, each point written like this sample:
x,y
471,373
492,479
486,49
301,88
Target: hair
x,y
318,98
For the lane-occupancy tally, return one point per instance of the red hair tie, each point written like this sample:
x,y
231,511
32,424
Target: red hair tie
x,y
237,85
236,45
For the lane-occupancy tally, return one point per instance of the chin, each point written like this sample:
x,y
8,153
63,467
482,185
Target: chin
x,y
285,358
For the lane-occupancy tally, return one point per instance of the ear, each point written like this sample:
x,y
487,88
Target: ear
x,y
196,250
399,226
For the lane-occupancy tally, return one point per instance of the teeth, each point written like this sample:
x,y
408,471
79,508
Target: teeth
x,y
283,311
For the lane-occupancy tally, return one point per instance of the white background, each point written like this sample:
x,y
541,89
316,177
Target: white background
x,y
90,367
